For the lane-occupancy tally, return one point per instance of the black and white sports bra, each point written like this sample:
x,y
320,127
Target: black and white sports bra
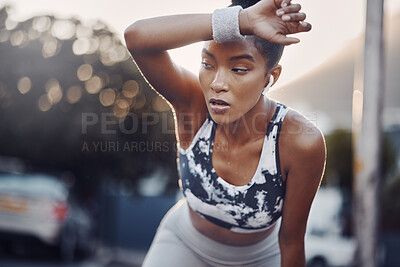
x,y
249,208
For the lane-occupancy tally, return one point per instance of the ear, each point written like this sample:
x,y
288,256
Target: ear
x,y
275,72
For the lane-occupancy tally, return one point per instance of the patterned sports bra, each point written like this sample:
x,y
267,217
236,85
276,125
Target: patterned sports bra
x,y
244,209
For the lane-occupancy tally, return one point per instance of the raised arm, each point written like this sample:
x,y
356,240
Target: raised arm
x,y
148,41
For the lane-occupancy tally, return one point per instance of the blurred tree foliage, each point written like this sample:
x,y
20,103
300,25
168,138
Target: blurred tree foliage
x,y
339,173
340,159
338,169
71,98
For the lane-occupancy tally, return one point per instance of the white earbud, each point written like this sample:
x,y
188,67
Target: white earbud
x,y
271,81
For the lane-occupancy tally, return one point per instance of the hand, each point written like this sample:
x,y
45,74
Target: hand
x,y
272,20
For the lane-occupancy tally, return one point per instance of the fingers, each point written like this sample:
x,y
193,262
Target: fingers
x,y
301,26
290,13
284,40
294,17
304,26
285,3
294,8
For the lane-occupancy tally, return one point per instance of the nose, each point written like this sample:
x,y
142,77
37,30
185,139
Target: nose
x,y
219,82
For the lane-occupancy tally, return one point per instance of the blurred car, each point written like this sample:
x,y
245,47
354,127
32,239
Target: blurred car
x,y
40,207
329,250
324,243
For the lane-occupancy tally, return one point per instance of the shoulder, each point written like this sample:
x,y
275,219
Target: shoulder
x,y
301,133
301,141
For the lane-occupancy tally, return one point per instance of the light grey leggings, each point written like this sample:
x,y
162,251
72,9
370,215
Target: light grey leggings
x,y
178,244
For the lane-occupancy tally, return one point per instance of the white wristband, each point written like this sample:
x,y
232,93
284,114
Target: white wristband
x,y
225,24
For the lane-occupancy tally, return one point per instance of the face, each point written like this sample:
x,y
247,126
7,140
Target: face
x,y
232,77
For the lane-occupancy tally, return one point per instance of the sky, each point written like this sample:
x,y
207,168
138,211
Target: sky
x,y
335,23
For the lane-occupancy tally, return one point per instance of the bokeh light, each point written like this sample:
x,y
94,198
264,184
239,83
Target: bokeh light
x,y
51,47
84,45
51,83
122,103
43,103
105,43
94,45
74,94
105,77
130,88
63,29
120,112
41,24
54,91
19,38
54,95
107,97
112,56
33,34
97,46
84,72
94,85
98,25
140,101
83,31
10,24
24,85
81,46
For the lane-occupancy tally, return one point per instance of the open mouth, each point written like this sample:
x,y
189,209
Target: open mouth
x,y
219,102
219,106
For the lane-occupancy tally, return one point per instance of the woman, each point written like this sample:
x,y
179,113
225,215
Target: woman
x,y
249,166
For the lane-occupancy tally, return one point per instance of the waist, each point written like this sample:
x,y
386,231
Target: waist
x,y
226,236
178,222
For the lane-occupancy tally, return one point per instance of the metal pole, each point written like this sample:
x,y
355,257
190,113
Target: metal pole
x,y
367,125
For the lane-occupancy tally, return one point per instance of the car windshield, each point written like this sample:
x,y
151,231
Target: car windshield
x,y
33,185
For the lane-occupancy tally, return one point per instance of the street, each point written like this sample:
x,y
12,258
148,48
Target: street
x,y
110,257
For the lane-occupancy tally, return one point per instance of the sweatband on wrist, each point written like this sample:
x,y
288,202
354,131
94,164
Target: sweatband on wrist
x,y
225,24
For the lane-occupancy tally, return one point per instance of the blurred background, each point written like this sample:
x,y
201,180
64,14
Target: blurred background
x,y
88,151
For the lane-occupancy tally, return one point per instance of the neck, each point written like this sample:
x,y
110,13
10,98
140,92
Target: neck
x,y
251,125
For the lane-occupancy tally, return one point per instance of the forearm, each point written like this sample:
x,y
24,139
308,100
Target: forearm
x,y
168,32
293,255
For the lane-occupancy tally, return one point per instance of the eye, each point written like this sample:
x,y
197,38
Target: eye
x,y
206,65
240,70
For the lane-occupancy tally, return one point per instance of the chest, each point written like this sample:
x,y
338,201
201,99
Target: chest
x,y
236,165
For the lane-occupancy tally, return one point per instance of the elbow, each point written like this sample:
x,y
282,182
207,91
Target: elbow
x,y
132,36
